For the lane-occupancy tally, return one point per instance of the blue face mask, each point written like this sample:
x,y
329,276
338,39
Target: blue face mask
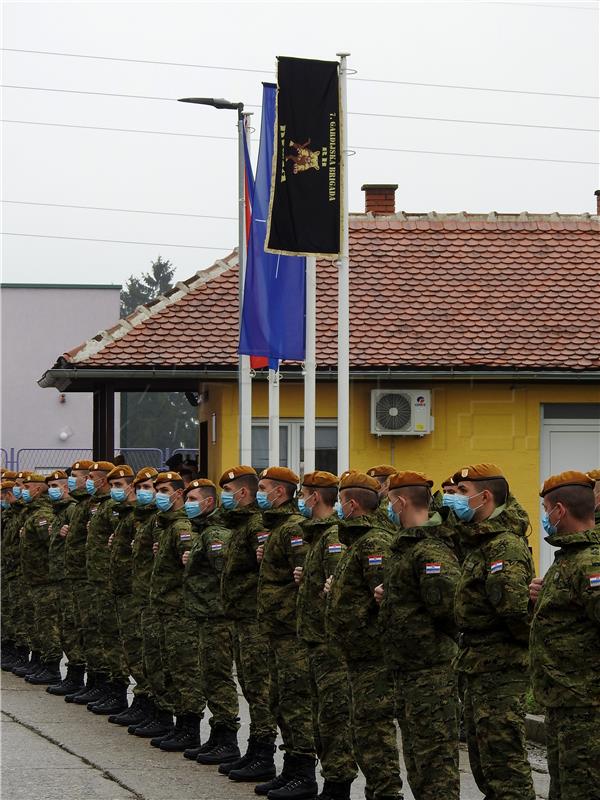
x,y
163,501
55,493
192,508
26,496
71,483
448,500
90,486
5,505
17,491
339,510
548,526
462,509
393,516
117,494
144,497
228,500
262,498
304,509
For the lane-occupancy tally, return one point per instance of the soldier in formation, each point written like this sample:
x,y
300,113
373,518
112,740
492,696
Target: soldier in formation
x,y
342,606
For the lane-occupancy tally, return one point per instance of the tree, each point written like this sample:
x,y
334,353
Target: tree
x,y
151,285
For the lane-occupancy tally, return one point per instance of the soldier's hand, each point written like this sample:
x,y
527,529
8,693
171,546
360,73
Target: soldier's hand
x,y
298,574
64,531
110,539
327,586
185,557
260,552
378,594
132,543
155,548
535,588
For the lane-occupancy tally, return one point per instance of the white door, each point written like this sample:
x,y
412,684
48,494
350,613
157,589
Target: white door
x,y
570,440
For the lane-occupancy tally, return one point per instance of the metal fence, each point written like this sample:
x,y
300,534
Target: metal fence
x,y
46,459
4,458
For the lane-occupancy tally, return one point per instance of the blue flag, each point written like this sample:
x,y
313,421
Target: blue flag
x,y
274,306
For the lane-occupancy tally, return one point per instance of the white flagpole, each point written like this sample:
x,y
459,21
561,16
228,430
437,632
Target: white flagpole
x,y
274,417
244,373
343,431
310,365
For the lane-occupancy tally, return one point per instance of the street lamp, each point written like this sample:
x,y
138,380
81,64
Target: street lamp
x,y
244,379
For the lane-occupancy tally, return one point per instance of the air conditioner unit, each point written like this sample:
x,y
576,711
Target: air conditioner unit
x,y
401,412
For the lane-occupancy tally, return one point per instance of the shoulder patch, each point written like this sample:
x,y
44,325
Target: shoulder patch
x,y
42,521
335,548
496,566
296,541
595,581
216,546
262,536
433,569
185,536
375,560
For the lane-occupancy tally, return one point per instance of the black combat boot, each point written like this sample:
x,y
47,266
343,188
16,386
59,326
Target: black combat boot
x,y
302,785
87,687
20,658
9,654
72,682
226,768
225,748
48,675
278,780
186,734
100,692
161,724
136,713
30,666
93,693
192,753
114,702
335,790
149,712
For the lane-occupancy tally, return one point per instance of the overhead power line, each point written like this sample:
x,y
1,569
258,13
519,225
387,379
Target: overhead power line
x,y
351,113
115,241
123,210
271,72
352,147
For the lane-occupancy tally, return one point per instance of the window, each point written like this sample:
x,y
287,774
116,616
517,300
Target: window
x,y
291,445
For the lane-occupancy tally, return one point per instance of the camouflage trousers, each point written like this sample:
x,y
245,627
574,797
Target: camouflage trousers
x,y
573,741
130,633
427,712
374,729
179,654
289,697
8,613
110,641
330,693
70,632
46,615
251,650
151,661
216,666
86,612
494,704
22,614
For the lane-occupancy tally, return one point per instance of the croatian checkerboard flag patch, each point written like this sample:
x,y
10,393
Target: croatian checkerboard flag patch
x,y
335,548
375,561
297,541
262,537
216,546
433,569
185,536
496,566
595,580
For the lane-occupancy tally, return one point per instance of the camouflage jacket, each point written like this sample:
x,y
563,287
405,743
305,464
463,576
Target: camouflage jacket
x,y
324,552
104,518
35,541
351,614
381,516
11,555
239,582
120,555
76,538
277,590
417,613
492,596
175,537
202,576
146,534
61,512
565,631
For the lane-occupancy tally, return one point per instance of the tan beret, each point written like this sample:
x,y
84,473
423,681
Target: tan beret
x,y
236,472
8,474
102,466
35,477
167,477
199,483
122,471
382,471
569,478
83,465
478,472
359,480
594,474
57,475
280,474
23,475
401,480
320,479
448,482
6,484
145,474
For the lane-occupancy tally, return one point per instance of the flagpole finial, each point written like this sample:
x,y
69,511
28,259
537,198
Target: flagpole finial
x,y
343,54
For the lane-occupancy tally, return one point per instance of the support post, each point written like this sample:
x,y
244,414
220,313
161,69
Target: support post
x,y
273,417
103,436
244,374
310,366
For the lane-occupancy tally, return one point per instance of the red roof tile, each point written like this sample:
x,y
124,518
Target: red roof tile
x,y
431,291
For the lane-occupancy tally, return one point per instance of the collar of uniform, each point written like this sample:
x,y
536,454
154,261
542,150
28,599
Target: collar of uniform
x,y
581,538
164,518
143,512
313,528
273,516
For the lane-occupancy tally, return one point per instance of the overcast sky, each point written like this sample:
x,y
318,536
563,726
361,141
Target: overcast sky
x,y
525,47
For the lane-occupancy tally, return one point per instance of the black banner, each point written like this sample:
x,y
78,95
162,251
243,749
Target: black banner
x,y
305,207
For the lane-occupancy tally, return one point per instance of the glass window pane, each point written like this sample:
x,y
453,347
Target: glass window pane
x,y
325,448
260,447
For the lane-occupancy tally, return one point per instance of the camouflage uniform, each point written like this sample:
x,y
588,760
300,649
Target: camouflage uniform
x,y
146,534
352,624
179,633
19,595
564,664
35,542
202,594
491,608
330,690
418,637
276,614
104,518
239,585
128,611
70,634
76,575
11,566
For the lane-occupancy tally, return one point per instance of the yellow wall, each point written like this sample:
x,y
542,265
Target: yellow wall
x,y
474,422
